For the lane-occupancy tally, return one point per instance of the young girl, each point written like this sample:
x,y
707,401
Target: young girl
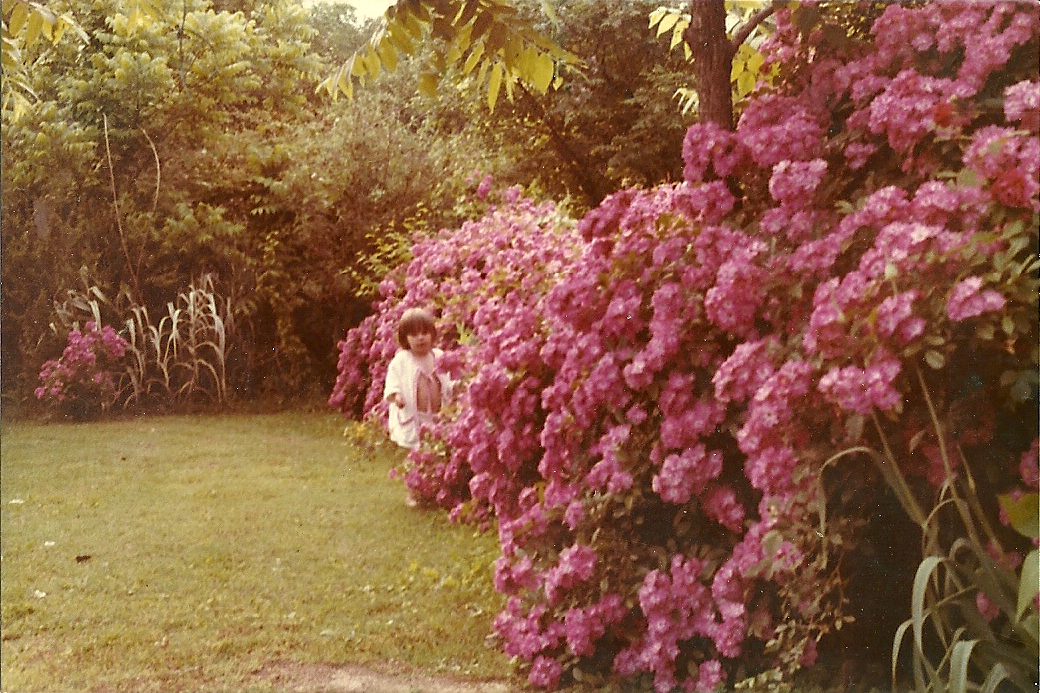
x,y
413,388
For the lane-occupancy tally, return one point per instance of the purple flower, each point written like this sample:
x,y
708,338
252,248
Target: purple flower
x,y
968,300
793,182
862,390
545,673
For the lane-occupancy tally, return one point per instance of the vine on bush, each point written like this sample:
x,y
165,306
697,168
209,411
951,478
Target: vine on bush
x,y
648,410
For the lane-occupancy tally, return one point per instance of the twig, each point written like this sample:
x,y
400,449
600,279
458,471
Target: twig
x,y
756,19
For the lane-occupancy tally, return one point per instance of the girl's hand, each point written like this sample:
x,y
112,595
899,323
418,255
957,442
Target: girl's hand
x,y
397,400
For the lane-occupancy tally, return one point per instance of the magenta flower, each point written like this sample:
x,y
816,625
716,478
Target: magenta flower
x,y
968,300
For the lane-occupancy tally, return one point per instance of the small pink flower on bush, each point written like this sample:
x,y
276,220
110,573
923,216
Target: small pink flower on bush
x,y
721,505
1029,465
485,187
968,300
1022,105
710,676
895,318
986,607
545,673
861,390
793,182
574,567
686,473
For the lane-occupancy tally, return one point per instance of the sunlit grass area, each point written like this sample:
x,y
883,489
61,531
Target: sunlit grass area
x,y
188,553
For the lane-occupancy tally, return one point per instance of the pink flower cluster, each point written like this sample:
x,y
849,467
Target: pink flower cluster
x,y
968,299
88,369
648,395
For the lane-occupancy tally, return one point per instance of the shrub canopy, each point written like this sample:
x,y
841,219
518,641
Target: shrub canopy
x,y
657,404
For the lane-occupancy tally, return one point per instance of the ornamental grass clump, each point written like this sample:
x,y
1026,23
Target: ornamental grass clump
x,y
84,379
669,422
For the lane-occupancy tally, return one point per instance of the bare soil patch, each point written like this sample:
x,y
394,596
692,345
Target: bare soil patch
x,y
322,678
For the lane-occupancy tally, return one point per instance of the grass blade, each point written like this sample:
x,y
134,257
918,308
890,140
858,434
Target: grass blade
x,y
960,656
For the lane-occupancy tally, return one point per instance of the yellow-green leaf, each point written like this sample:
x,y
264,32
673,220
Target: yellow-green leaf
x,y
16,22
428,83
473,59
356,66
1023,513
657,15
494,84
542,71
34,27
677,33
934,359
1029,583
387,53
667,22
1008,325
745,84
549,11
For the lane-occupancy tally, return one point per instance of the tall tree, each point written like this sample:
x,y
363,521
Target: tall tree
x,y
502,48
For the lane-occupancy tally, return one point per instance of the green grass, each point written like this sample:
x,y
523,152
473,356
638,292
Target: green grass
x,y
189,552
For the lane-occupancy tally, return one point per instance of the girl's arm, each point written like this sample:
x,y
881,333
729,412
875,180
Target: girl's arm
x,y
394,387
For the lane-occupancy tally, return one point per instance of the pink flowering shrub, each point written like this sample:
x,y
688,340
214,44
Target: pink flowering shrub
x,y
483,281
654,408
86,376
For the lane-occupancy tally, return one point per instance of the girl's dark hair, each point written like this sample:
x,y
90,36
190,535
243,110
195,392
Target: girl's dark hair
x,y
414,321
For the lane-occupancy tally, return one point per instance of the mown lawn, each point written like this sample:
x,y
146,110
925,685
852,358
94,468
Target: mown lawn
x,y
188,553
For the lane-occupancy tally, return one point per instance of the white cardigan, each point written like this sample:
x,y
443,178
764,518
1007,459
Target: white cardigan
x,y
401,377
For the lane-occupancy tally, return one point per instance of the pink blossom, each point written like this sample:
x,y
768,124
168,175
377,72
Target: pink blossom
x,y
1029,465
858,153
987,609
710,676
793,182
545,673
1022,104
967,300
744,371
773,128
721,505
710,152
686,473
575,566
895,318
862,390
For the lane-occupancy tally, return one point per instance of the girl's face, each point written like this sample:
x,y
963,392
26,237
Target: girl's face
x,y
420,343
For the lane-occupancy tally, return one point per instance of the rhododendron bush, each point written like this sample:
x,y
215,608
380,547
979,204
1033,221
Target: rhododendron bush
x,y
662,404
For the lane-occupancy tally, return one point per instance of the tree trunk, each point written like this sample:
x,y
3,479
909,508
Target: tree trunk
x,y
712,60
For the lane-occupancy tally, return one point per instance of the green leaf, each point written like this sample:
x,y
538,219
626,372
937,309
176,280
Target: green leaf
x,y
428,83
934,359
667,22
985,331
995,676
494,85
1023,513
16,22
1008,325
959,660
968,178
542,71
474,58
1029,583
657,15
677,34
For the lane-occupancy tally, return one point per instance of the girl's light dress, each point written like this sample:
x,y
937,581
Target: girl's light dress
x,y
403,376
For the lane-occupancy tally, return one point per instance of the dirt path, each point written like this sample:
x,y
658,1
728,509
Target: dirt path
x,y
318,678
